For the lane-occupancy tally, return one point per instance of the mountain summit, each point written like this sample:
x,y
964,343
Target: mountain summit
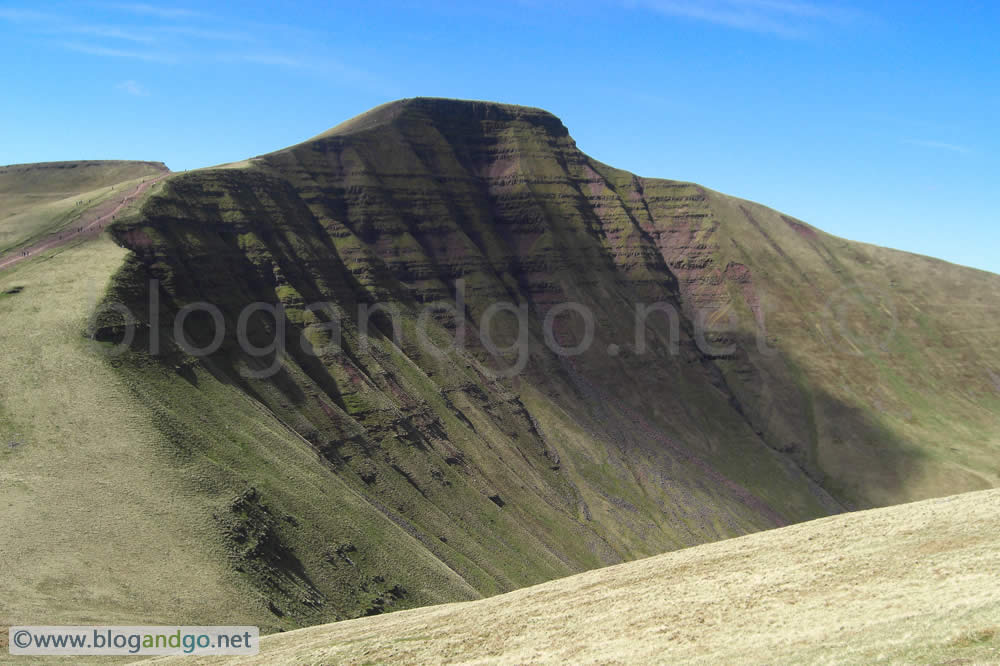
x,y
439,109
437,353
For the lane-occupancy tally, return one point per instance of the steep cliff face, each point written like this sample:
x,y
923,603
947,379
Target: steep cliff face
x,y
642,435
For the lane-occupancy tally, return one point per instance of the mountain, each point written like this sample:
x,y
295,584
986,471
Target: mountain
x,y
779,374
785,596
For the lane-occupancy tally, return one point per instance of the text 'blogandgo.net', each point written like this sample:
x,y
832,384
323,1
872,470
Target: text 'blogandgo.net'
x,y
131,641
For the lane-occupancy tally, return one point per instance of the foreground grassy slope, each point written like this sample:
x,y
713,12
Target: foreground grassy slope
x,y
39,199
911,584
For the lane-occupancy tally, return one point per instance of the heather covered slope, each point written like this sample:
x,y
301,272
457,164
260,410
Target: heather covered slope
x,y
910,584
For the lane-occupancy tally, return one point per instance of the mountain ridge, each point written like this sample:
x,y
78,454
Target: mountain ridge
x,y
412,197
777,374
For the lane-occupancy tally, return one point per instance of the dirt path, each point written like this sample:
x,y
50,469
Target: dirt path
x,y
92,221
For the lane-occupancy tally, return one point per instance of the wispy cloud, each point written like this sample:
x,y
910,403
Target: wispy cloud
x,y
90,49
171,35
158,31
940,145
312,62
793,19
276,59
109,32
23,15
153,10
206,34
133,88
45,23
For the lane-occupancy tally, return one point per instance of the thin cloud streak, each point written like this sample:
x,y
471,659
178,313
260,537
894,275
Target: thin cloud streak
x,y
65,24
90,49
55,24
941,145
24,15
152,10
789,19
266,59
163,39
109,32
206,34
803,9
317,64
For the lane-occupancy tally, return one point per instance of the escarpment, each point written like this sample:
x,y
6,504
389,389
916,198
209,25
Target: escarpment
x,y
660,403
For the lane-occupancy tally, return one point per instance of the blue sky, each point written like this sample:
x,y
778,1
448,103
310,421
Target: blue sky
x,y
875,121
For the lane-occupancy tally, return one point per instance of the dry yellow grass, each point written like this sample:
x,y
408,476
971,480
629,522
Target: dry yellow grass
x,y
91,508
916,583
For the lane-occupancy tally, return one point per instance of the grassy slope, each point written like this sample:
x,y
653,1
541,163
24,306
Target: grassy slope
x,y
884,385
92,510
911,584
893,353
55,180
110,520
38,199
